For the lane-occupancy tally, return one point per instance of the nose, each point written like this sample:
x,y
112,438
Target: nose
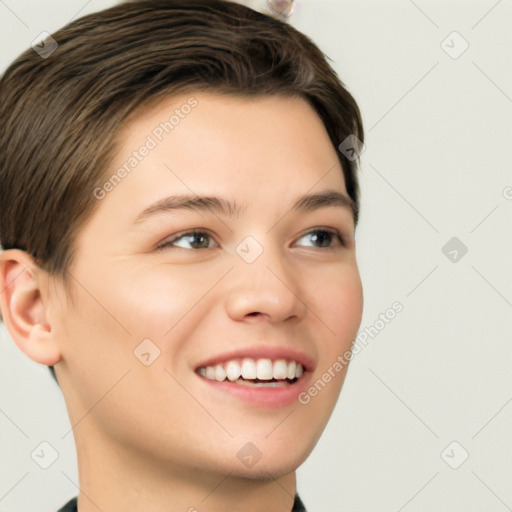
x,y
265,290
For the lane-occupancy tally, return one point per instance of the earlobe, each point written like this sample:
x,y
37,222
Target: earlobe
x,y
22,301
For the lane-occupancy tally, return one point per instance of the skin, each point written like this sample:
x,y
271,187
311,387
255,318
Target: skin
x,y
157,437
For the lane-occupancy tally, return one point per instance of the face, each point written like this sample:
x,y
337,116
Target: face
x,y
228,246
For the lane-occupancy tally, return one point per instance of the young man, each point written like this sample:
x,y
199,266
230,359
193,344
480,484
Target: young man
x,y
178,247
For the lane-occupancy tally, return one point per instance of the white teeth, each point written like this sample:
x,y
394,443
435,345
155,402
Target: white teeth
x,y
248,369
233,370
280,369
292,365
264,369
220,373
269,384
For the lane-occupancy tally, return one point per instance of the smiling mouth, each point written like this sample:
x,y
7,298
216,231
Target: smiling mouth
x,y
254,372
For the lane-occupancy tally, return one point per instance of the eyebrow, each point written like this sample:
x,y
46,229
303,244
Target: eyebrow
x,y
218,205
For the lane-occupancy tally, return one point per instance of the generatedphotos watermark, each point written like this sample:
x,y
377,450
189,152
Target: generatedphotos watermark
x,y
156,136
358,344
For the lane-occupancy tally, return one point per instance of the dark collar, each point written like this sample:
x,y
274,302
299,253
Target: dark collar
x,y
71,505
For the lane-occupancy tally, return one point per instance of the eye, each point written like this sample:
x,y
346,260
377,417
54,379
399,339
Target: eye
x,y
194,239
323,239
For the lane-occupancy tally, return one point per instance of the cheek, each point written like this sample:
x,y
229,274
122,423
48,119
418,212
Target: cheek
x,y
347,308
157,299
339,306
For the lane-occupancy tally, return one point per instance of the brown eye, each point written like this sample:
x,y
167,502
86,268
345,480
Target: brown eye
x,y
323,239
189,240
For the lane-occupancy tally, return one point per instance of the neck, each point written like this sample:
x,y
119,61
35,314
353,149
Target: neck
x,y
112,478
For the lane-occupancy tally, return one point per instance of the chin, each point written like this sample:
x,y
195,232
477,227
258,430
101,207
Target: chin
x,y
267,470
272,459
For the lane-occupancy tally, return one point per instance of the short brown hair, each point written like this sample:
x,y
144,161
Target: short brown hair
x,y
61,114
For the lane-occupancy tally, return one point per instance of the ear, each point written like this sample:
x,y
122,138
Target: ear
x,y
23,295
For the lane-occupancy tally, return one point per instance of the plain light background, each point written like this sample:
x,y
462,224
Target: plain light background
x,y
434,385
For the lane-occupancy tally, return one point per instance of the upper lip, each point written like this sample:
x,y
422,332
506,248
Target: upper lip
x,y
263,352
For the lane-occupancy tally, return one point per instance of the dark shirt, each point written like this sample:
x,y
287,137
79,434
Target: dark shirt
x,y
70,506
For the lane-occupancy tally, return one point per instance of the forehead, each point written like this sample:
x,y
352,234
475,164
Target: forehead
x,y
218,137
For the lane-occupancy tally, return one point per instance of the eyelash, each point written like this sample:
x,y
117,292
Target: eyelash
x,y
169,243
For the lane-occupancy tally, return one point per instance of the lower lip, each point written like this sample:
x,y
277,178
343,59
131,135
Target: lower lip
x,y
280,396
